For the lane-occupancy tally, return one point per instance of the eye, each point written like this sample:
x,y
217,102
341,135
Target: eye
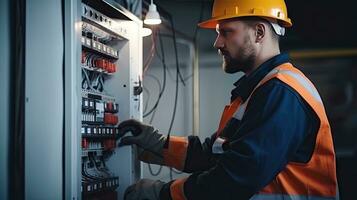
x,y
225,33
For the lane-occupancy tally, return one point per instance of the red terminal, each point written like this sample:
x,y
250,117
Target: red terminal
x,y
85,143
111,67
105,65
110,106
114,67
106,118
83,60
101,63
110,119
115,119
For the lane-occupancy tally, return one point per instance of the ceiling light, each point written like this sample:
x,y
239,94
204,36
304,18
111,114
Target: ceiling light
x,y
152,16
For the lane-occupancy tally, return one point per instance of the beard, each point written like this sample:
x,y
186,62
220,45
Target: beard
x,y
242,61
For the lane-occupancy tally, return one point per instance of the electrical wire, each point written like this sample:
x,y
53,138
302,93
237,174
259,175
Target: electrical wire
x,y
97,33
94,81
101,174
87,80
146,104
87,174
176,51
161,89
148,92
174,111
170,75
185,79
176,88
94,171
64,100
178,75
107,174
154,112
151,119
152,52
152,116
152,171
164,77
188,77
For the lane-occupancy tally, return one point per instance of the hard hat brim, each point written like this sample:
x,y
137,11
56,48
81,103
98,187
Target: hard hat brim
x,y
212,23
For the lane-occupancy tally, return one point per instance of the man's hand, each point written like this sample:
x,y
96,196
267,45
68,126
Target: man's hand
x,y
150,143
144,189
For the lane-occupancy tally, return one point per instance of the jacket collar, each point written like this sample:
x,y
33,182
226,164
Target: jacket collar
x,y
246,84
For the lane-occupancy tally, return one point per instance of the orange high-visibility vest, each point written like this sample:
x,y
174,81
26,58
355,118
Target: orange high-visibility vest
x,y
315,180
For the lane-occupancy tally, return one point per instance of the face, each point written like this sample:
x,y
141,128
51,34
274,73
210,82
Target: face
x,y
235,42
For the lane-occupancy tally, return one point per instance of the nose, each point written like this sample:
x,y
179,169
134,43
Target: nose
x,y
219,43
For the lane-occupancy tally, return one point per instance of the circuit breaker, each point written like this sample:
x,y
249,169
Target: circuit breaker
x,y
110,81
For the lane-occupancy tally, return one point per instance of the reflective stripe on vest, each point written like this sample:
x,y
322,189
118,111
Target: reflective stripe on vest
x,y
302,80
288,197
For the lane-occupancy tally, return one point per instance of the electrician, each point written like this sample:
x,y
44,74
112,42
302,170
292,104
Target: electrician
x,y
274,139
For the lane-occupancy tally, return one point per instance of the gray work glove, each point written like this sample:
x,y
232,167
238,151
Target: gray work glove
x,y
144,189
150,143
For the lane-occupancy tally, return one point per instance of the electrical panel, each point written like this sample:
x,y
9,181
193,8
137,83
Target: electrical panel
x,y
110,64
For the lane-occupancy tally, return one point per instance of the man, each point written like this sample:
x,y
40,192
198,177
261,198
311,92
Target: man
x,y
274,140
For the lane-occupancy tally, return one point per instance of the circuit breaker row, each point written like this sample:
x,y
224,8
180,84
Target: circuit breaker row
x,y
100,111
98,63
102,144
91,117
95,111
95,131
96,186
96,178
99,134
98,47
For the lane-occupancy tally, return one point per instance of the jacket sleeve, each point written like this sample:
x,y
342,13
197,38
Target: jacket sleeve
x,y
276,123
188,154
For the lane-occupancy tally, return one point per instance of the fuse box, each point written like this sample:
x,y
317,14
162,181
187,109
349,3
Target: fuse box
x,y
110,68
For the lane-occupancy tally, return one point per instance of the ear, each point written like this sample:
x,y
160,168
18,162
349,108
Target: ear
x,y
260,31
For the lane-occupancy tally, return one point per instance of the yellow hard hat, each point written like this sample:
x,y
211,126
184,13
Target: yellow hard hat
x,y
227,9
